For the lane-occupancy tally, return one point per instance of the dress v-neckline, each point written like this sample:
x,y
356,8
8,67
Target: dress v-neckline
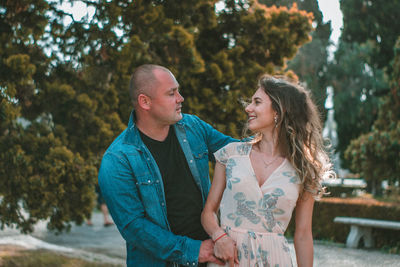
x,y
254,173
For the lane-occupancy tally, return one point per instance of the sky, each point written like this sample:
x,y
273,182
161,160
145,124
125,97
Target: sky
x,y
331,12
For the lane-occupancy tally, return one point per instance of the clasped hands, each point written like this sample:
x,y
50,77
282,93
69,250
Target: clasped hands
x,y
225,248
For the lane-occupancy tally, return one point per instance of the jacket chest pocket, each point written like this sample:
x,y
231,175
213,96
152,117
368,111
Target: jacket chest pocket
x,y
148,188
200,156
146,180
200,151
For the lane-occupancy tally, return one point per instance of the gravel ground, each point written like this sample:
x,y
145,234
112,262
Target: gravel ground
x,y
105,244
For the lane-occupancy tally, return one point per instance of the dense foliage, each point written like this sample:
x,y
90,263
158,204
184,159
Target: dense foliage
x,y
365,81
361,70
356,85
376,154
311,61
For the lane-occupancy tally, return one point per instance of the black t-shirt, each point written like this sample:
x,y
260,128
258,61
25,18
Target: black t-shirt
x,y
183,197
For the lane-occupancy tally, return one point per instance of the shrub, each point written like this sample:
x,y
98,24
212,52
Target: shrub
x,y
327,209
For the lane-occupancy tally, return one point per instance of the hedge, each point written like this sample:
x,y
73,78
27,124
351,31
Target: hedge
x,y
328,208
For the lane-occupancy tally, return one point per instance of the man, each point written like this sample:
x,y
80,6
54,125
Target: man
x,y
154,176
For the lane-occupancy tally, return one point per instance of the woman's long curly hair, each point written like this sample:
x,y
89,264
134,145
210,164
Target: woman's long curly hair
x,y
299,132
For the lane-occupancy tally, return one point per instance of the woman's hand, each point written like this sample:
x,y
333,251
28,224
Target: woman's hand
x,y
225,249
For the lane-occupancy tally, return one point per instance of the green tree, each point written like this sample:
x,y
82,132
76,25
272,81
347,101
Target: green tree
x,y
375,155
69,84
216,56
360,70
356,84
311,61
40,177
372,21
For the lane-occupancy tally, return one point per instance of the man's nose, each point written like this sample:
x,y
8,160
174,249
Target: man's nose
x,y
180,98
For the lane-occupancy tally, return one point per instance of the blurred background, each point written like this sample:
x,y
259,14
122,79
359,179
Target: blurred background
x,y
64,72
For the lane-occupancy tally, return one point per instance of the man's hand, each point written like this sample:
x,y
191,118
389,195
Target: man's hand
x,y
206,253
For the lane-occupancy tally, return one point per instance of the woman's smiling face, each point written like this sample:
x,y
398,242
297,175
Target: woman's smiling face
x,y
260,112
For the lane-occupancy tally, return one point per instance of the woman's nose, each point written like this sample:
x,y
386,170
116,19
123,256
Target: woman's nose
x,y
247,108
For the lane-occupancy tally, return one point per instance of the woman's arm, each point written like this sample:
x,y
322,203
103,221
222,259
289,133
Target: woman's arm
x,y
208,216
225,247
303,240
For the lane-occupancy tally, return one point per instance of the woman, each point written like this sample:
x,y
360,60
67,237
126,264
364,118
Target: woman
x,y
257,184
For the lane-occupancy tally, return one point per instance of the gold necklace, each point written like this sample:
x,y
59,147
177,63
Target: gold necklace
x,y
266,165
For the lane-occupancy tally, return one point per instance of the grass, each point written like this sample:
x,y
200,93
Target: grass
x,y
12,256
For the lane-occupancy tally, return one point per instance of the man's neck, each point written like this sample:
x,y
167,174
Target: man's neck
x,y
153,130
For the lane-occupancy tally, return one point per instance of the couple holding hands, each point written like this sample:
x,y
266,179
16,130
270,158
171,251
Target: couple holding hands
x,y
155,178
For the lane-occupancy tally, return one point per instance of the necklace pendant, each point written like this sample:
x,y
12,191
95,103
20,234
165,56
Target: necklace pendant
x,y
267,164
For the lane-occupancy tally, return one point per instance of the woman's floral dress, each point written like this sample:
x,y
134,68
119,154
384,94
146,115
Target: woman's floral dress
x,y
257,217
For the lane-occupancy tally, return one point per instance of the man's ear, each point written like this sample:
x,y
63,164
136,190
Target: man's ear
x,y
144,101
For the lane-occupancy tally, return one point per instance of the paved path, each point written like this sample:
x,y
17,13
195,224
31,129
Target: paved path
x,y
104,244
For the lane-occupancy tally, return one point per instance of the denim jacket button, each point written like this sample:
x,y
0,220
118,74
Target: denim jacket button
x,y
191,161
162,204
184,140
148,181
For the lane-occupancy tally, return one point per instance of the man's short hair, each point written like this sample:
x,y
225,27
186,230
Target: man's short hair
x,y
143,80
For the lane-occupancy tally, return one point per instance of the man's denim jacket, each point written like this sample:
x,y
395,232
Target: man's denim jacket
x,y
132,187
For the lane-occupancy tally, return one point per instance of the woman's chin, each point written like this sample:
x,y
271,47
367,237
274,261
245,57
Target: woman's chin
x,y
252,128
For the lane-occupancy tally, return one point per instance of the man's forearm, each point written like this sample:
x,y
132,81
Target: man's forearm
x,y
161,243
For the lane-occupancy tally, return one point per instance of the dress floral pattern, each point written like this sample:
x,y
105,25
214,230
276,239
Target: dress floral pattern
x,y
257,217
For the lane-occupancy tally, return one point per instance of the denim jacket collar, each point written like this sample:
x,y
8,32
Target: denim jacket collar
x,y
133,137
